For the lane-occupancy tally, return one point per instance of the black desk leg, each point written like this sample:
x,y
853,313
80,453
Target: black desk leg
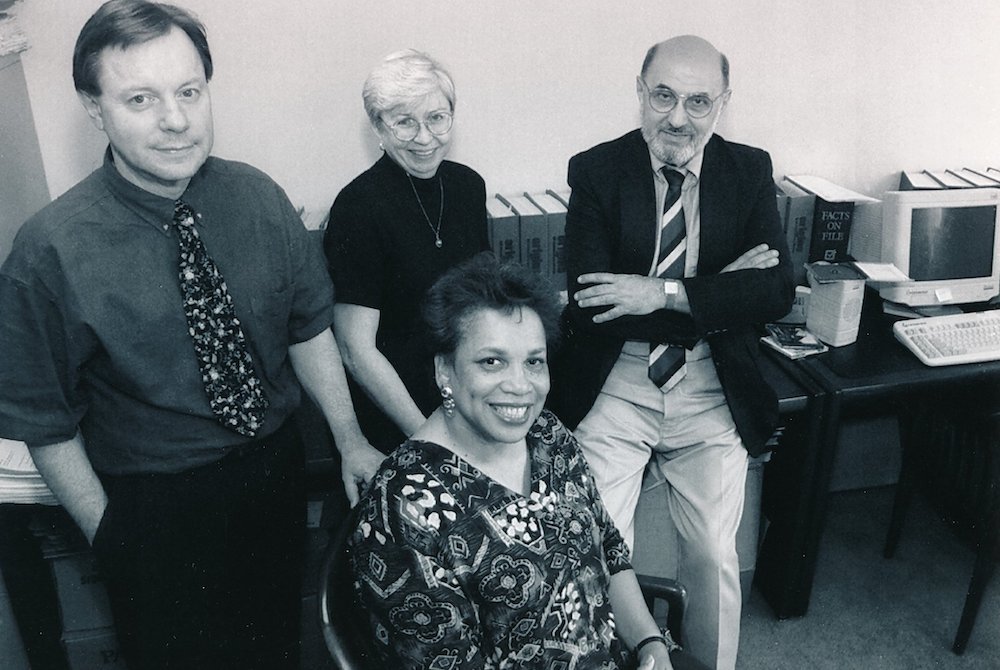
x,y
796,482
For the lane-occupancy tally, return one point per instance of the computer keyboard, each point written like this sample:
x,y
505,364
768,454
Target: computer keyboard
x,y
951,339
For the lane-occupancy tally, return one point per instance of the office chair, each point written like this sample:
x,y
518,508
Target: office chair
x,y
346,628
955,453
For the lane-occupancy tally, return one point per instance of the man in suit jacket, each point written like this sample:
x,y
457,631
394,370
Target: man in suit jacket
x,y
675,253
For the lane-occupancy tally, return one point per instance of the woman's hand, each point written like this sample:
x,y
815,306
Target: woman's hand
x,y
635,624
654,656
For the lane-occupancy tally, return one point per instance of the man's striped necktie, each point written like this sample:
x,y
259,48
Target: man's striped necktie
x,y
666,362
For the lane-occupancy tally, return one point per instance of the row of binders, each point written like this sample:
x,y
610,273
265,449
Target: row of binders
x,y
530,229
920,180
817,216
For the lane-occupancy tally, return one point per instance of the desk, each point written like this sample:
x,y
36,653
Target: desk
x,y
874,373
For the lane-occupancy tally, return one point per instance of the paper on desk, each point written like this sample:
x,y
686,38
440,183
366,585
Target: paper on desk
x,y
882,272
19,478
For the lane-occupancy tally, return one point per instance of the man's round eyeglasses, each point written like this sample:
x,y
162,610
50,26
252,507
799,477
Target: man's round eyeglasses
x,y
663,100
407,128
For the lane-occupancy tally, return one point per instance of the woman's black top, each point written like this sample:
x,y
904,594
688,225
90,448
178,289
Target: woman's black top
x,y
381,253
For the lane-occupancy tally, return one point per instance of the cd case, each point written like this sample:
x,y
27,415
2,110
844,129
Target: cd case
x,y
792,341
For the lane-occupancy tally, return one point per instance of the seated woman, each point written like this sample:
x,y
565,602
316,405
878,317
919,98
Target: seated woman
x,y
392,232
483,542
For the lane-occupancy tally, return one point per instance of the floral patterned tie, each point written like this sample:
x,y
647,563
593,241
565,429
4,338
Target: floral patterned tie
x,y
234,391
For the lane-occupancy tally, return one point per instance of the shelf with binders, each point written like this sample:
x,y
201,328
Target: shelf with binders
x,y
918,180
530,229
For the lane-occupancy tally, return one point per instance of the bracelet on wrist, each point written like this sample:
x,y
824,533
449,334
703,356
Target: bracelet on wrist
x,y
649,640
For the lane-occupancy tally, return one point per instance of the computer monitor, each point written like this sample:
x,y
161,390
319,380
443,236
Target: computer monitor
x,y
947,241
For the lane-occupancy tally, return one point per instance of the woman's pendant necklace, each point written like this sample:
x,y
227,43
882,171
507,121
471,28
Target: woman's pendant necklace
x,y
434,229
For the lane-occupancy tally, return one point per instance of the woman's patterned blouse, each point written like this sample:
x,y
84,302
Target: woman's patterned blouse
x,y
458,571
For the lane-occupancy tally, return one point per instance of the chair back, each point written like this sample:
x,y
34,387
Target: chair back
x,y
346,630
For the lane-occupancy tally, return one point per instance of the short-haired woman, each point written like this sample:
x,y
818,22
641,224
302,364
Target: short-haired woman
x,y
392,232
483,542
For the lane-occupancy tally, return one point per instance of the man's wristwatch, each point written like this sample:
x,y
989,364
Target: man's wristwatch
x,y
670,289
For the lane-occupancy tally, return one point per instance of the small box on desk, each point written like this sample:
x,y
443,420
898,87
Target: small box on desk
x,y
835,299
836,295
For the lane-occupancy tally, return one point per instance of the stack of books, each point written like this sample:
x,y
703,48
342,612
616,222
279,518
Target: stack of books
x,y
793,341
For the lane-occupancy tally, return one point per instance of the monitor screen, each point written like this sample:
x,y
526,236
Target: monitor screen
x,y
952,242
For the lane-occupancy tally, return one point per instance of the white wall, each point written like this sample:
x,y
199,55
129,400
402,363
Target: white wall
x,y
838,88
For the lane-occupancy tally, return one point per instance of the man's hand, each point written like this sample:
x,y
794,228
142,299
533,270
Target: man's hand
x,y
358,463
66,469
625,294
760,257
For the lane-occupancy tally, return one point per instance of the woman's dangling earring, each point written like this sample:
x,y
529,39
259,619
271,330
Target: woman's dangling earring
x,y
381,147
447,401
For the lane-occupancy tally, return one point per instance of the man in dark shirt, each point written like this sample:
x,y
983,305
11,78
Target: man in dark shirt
x,y
157,321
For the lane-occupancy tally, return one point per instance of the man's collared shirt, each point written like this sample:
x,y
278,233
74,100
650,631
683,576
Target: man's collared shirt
x,y
628,379
93,330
